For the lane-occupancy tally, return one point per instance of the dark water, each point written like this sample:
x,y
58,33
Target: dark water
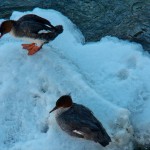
x,y
8,6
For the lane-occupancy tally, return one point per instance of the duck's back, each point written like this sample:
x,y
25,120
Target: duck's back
x,y
79,121
35,27
31,24
34,18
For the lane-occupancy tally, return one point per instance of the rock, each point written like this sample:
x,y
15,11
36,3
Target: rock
x,y
138,146
126,19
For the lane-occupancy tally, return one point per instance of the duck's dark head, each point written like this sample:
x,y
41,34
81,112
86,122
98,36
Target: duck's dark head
x,y
6,27
64,101
59,29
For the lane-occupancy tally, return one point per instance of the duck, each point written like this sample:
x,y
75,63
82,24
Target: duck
x,y
79,121
32,28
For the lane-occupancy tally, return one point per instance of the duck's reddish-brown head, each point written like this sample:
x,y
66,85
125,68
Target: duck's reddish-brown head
x,y
64,101
6,27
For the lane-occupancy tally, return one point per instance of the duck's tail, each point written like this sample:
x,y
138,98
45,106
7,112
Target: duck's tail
x,y
104,140
53,34
59,29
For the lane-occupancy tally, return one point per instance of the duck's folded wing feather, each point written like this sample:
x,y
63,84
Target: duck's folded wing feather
x,y
80,119
80,122
31,27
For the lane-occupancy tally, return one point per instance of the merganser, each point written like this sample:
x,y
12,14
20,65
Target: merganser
x,y
32,28
77,120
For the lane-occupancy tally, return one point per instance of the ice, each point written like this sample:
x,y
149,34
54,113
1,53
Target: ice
x,y
110,76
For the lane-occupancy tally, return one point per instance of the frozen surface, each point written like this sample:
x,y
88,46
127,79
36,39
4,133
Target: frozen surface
x,y
111,77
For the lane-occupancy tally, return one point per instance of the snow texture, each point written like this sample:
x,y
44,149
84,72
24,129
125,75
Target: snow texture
x,y
111,77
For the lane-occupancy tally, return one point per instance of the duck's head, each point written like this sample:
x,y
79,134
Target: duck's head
x,y
64,101
6,27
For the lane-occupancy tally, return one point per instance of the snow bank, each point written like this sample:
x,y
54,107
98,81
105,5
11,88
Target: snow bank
x,y
110,77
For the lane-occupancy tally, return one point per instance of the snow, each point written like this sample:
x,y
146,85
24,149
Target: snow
x,y
111,77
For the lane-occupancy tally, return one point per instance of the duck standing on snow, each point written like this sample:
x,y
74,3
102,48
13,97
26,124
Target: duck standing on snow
x,y
32,28
77,120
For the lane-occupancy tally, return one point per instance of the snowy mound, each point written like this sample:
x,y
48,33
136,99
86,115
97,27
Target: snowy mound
x,y
111,77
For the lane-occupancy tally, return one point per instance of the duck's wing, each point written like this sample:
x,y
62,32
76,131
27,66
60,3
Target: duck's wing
x,y
30,27
35,18
81,121
83,115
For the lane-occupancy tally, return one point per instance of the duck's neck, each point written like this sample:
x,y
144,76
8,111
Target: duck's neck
x,y
60,111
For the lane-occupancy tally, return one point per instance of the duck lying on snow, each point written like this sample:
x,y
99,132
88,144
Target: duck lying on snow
x,y
77,120
33,28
